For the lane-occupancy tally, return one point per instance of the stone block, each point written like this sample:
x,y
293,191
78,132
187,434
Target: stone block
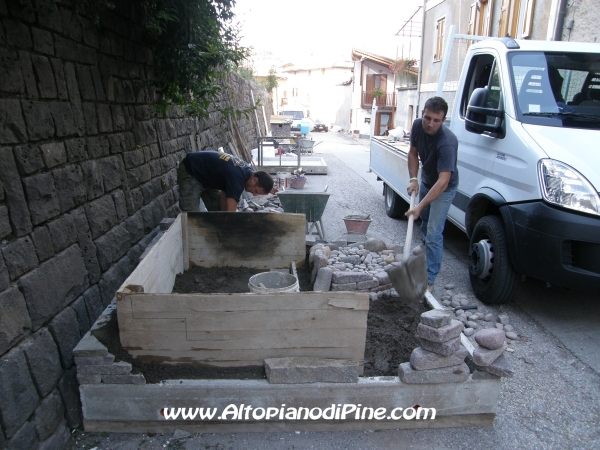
x,y
42,41
89,379
44,76
12,125
70,185
101,215
369,284
86,85
484,357
383,277
53,285
92,174
105,124
62,232
83,318
441,334
124,379
42,198
500,367
53,154
18,396
4,277
166,223
97,147
423,360
436,318
93,302
14,318
69,391
5,228
24,438
12,76
297,370
343,286
444,348
28,159
38,117
90,346
64,120
90,116
28,74
118,368
453,374
374,245
44,361
112,246
60,439
340,277
48,415
323,280
352,259
76,150
71,51
113,172
94,360
59,76
135,227
490,338
19,217
20,256
319,261
65,331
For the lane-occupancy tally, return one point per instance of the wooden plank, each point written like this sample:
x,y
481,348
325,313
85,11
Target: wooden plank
x,y
178,305
191,426
157,271
240,358
472,403
222,239
171,339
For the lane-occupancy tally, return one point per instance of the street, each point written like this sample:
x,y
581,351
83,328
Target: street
x,y
552,401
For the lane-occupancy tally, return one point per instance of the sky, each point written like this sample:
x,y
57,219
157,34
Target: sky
x,y
300,29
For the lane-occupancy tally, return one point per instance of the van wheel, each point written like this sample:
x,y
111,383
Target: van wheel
x,y
492,276
395,206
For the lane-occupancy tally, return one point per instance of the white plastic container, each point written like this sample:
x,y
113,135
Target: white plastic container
x,y
273,282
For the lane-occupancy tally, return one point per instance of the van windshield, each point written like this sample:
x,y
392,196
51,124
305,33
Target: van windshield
x,y
297,115
557,89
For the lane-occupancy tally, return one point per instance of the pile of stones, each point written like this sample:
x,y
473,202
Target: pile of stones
x,y
441,356
488,355
337,266
261,204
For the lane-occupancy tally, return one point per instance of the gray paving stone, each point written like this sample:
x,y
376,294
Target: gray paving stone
x,y
90,346
369,284
124,379
18,396
436,318
89,379
300,370
43,360
500,367
118,368
343,287
484,357
442,334
323,279
453,374
444,348
423,360
490,338
340,277
383,277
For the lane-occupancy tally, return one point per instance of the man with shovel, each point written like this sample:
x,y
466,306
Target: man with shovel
x,y
436,147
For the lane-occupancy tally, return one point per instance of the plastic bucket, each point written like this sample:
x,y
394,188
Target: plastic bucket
x,y
283,180
356,224
273,282
298,183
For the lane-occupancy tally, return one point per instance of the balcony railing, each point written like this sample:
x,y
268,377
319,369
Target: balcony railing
x,y
382,100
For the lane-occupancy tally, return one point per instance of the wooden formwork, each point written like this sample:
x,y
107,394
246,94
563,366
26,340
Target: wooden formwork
x,y
234,329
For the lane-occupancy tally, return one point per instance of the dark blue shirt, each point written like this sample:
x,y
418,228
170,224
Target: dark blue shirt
x,y
215,170
438,153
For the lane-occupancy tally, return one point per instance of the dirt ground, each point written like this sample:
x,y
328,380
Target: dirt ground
x,y
391,329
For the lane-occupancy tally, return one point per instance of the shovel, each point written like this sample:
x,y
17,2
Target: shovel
x,y
409,277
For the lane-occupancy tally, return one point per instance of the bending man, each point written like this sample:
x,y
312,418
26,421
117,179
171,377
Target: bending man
x,y
436,147
208,169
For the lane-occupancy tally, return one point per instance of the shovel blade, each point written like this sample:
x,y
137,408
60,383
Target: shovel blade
x,y
410,278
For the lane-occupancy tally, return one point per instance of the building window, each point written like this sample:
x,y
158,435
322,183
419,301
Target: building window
x,y
439,39
516,18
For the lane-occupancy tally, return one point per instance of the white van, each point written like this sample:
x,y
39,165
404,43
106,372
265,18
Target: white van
x,y
527,118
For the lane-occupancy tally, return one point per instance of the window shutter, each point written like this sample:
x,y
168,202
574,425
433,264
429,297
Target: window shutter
x,y
528,22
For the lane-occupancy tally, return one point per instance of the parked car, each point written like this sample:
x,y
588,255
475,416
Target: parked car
x,y
320,126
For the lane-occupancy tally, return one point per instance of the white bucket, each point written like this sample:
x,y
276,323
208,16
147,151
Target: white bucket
x,y
273,282
283,180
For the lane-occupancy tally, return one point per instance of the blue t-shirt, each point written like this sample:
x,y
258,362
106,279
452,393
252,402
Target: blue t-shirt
x,y
215,170
438,153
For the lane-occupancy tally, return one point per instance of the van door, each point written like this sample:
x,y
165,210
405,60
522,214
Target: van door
x,y
476,152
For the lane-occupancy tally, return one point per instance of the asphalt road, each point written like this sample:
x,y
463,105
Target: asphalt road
x,y
552,401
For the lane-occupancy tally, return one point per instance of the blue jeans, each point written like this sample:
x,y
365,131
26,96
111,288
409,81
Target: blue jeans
x,y
433,219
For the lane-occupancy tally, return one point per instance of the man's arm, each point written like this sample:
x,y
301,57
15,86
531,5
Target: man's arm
x,y
228,203
440,186
413,170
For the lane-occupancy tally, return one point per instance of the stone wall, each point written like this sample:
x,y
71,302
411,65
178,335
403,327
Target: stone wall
x,y
87,172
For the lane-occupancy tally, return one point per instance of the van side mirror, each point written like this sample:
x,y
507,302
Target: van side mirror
x,y
478,112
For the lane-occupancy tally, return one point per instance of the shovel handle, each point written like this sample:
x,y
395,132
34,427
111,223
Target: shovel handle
x,y
409,230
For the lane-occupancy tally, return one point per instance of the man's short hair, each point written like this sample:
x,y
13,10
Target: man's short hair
x,y
436,104
264,180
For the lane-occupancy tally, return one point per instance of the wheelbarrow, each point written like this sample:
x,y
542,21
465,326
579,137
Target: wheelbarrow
x,y
311,204
306,145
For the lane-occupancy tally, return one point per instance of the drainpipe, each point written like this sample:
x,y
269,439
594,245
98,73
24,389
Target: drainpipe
x,y
560,20
420,74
